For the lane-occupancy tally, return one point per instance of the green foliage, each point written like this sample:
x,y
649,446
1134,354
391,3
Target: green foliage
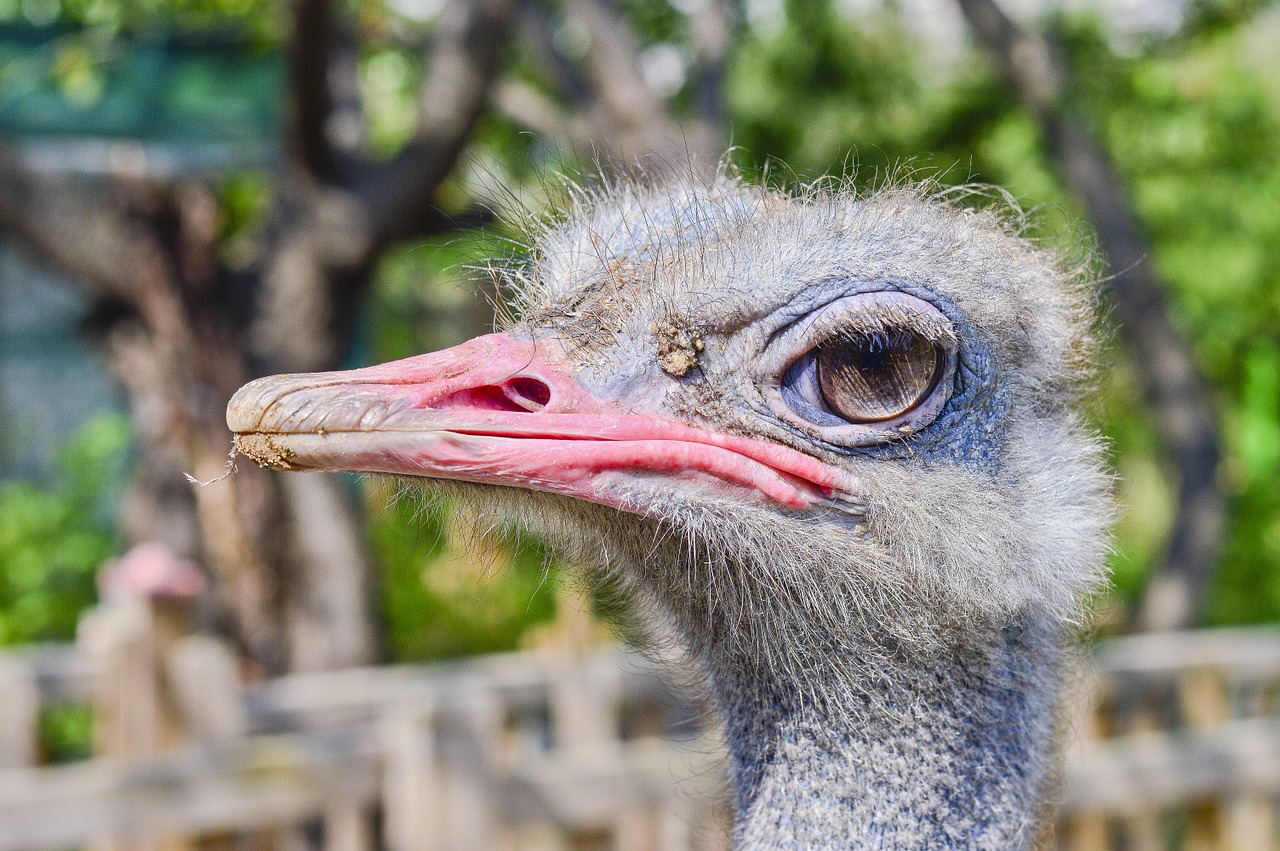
x,y
259,21
388,87
66,732
827,91
244,199
1195,132
54,537
440,600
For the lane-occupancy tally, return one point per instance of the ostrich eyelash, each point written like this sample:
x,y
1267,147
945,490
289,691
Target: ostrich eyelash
x,y
885,323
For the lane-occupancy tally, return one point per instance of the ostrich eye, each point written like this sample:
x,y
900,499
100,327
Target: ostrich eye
x,y
873,377
868,368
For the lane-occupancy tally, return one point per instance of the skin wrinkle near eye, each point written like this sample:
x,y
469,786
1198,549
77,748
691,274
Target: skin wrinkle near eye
x,y
954,434
955,431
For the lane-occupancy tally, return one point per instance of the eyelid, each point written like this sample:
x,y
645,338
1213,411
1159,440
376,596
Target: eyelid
x,y
869,313
789,356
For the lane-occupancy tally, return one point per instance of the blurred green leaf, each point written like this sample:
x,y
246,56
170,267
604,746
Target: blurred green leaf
x,y
53,538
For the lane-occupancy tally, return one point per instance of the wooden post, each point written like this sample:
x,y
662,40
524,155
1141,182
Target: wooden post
x,y
1085,831
667,826
1244,820
347,828
126,699
675,824
19,712
148,595
204,680
584,706
584,722
714,828
411,785
638,830
1142,829
469,746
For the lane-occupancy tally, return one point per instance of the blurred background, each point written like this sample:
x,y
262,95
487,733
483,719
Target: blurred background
x,y
197,192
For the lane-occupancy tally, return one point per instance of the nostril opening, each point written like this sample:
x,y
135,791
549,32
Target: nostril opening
x,y
528,392
484,398
517,395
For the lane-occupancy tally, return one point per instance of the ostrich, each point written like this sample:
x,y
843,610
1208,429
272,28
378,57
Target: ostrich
x,y
826,439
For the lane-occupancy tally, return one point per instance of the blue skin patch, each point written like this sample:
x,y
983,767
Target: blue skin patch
x,y
967,430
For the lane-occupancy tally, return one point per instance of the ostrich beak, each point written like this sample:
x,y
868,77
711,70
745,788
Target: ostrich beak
x,y
504,411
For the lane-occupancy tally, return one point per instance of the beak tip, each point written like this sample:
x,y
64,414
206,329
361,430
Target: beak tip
x,y
244,411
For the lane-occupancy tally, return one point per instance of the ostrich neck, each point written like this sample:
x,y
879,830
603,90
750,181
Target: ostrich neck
x,y
941,750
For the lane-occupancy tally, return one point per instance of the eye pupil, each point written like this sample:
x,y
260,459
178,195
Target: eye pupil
x,y
876,377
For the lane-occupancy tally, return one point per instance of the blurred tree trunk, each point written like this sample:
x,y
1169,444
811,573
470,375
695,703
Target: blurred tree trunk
x,y
182,329
1181,405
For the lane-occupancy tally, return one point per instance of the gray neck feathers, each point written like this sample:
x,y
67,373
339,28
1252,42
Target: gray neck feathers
x,y
938,749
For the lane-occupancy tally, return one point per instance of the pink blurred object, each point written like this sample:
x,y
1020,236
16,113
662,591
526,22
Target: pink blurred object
x,y
151,571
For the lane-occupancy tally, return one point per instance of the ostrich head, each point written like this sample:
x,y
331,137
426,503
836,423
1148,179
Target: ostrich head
x,y
827,439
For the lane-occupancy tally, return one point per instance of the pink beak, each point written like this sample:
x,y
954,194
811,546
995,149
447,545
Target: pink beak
x,y
504,411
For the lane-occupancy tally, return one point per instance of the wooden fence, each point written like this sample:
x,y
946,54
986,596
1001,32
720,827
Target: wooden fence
x,y
521,750
1173,742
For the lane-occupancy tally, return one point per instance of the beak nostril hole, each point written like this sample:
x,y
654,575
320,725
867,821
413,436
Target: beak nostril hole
x,y
521,394
530,393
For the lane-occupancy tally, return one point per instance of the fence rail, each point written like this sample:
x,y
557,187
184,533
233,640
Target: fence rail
x,y
1174,741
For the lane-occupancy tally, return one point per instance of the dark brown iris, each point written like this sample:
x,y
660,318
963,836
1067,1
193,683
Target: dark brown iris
x,y
867,378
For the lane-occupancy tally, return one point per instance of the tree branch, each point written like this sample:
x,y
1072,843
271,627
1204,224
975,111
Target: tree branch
x,y
537,35
533,110
613,63
630,120
88,239
463,65
620,116
1178,396
327,235
345,128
